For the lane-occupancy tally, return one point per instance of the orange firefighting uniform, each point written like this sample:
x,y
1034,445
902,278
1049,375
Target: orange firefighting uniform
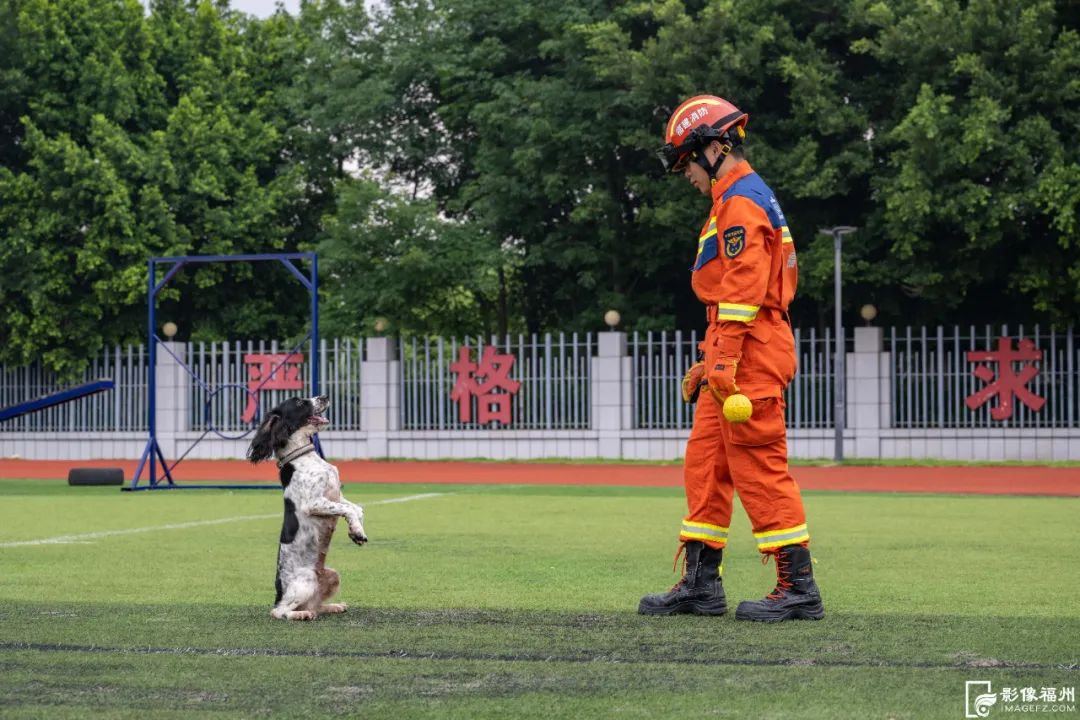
x,y
745,274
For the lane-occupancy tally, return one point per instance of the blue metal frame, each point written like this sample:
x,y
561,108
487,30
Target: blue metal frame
x,y
45,401
152,452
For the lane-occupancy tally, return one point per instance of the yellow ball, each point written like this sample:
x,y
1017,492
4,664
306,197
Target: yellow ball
x,y
738,408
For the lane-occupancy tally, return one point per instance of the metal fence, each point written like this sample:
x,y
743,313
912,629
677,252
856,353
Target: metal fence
x,y
221,400
553,372
660,360
121,409
932,377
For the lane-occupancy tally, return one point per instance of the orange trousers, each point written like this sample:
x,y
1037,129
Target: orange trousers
x,y
749,458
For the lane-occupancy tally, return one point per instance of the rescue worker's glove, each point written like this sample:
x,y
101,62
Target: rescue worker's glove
x,y
692,382
721,376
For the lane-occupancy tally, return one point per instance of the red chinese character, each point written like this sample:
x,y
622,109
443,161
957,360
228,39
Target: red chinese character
x,y
1009,382
482,381
263,376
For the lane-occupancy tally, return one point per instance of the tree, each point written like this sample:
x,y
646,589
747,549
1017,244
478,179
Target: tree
x,y
396,244
81,79
396,258
142,137
974,210
942,130
474,166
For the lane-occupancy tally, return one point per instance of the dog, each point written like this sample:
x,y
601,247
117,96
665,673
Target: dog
x,y
313,504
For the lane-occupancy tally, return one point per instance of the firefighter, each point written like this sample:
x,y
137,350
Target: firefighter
x,y
745,274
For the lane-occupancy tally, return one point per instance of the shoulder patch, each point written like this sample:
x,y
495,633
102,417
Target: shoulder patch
x,y
734,240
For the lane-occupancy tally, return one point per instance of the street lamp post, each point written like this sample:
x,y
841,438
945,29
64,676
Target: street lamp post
x,y
838,234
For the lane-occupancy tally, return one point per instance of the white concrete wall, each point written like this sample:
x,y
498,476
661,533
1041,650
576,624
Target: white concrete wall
x,y
867,435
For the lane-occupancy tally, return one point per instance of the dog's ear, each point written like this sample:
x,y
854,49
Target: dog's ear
x,y
262,445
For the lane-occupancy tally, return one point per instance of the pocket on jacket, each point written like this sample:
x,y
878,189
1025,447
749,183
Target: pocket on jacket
x,y
761,330
765,426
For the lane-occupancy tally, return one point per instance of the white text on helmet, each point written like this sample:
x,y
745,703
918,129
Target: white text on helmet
x,y
693,118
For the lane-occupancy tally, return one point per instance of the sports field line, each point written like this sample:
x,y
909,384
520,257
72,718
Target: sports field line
x,y
83,538
515,658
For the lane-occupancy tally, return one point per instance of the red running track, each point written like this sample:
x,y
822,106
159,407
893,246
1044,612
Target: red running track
x,y
984,480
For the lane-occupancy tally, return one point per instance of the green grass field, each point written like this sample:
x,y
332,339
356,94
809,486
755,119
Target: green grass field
x,y
519,602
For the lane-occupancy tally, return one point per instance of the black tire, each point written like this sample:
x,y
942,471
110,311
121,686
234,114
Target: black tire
x,y
95,476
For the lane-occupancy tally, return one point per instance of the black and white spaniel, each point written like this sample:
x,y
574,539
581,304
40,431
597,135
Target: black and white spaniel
x,y
313,504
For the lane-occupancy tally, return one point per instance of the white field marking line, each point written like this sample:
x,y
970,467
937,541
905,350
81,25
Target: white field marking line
x,y
407,498
85,538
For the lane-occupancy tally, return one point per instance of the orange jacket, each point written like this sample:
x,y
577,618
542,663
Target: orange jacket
x,y
746,272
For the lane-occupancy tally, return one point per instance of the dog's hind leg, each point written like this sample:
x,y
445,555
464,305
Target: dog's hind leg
x,y
333,608
298,598
329,582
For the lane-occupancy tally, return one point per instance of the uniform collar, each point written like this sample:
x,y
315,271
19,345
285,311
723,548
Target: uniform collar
x,y
722,185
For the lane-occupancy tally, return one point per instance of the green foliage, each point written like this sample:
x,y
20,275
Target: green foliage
x,y
141,136
939,129
972,214
385,256
473,166
942,130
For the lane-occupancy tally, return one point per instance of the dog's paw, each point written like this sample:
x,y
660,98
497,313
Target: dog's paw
x,y
333,608
358,537
302,615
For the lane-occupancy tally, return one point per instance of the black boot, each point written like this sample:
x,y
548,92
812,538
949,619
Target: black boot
x,y
796,596
701,590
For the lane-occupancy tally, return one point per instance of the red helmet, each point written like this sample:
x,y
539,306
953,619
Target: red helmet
x,y
696,123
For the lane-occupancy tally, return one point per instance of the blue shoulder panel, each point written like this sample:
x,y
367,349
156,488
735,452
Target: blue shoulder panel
x,y
754,188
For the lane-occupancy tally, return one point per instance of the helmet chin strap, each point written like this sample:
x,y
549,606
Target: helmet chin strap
x,y
711,168
730,140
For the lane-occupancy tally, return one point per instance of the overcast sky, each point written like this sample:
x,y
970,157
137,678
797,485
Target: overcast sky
x,y
258,8
264,8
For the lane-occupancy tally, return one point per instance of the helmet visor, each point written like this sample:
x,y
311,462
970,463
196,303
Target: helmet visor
x,y
674,157
668,157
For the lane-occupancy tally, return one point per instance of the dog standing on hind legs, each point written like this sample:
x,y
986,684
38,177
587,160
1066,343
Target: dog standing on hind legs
x,y
313,504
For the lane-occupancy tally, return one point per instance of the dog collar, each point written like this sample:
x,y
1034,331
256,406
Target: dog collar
x,y
295,454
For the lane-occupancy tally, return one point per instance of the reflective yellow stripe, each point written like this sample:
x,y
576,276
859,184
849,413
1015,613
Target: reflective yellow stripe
x,y
785,531
805,537
702,536
785,235
691,523
701,242
732,311
710,229
779,538
692,530
715,536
